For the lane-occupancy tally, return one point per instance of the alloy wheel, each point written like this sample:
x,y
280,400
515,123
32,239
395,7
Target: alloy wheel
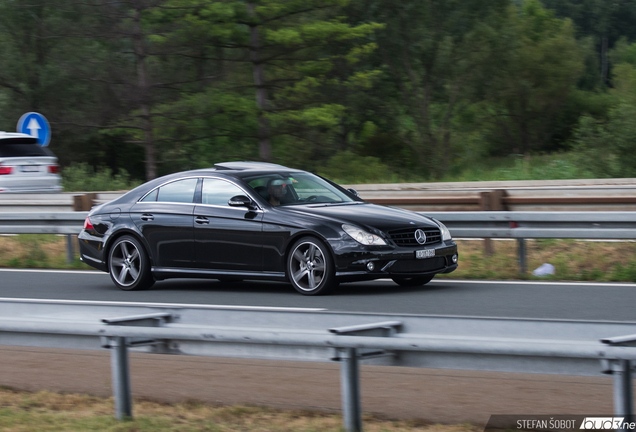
x,y
125,263
308,266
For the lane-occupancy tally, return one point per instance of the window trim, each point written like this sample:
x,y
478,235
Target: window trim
x,y
198,193
194,197
258,210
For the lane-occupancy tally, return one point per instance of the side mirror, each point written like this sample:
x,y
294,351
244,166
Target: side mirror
x,y
353,191
240,201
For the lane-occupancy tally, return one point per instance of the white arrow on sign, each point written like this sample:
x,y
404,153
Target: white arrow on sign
x,y
34,127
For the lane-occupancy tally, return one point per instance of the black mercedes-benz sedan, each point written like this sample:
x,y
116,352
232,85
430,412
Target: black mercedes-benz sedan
x,y
251,220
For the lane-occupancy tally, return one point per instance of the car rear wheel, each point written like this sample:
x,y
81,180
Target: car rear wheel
x,y
310,268
128,265
413,281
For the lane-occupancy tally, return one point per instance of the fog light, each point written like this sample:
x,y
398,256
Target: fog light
x,y
454,259
370,266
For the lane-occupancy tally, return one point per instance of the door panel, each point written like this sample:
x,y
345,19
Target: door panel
x,y
168,230
226,238
164,217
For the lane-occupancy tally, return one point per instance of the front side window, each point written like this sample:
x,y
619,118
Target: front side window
x,y
296,188
180,191
218,192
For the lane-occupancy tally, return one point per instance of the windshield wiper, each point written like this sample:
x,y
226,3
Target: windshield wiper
x,y
344,203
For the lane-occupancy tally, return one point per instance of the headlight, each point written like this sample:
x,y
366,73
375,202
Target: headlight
x,y
363,237
446,235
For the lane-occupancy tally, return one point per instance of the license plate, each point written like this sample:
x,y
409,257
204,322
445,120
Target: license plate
x,y
29,168
425,253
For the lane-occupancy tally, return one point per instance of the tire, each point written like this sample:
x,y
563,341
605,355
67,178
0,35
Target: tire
x,y
413,281
310,267
128,265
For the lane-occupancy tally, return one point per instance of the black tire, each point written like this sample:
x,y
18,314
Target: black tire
x,y
128,265
413,281
310,267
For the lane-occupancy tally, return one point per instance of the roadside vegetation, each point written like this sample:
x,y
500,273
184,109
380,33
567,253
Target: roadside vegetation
x,y
475,90
574,260
45,411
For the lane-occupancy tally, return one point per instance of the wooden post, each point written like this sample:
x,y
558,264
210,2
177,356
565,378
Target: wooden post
x,y
84,202
485,202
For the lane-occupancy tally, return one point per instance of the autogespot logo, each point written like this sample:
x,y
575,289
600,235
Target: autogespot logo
x,y
597,423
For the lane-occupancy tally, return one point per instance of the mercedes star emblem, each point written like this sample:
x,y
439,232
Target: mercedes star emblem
x,y
420,236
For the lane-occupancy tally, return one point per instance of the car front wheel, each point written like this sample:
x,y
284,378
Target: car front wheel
x,y
413,281
128,265
310,267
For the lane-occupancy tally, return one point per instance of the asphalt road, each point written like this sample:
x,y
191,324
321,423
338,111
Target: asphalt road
x,y
554,300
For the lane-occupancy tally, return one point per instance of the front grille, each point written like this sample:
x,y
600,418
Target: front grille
x,y
406,236
418,265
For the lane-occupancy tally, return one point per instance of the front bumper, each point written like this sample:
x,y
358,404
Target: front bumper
x,y
357,262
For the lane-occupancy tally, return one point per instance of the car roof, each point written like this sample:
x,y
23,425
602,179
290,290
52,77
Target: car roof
x,y
249,165
23,138
241,169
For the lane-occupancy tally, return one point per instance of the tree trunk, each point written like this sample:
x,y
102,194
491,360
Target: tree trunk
x,y
604,67
144,96
261,95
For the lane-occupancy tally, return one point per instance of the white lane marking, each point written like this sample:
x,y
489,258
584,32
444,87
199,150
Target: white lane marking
x,y
163,305
466,281
52,271
515,282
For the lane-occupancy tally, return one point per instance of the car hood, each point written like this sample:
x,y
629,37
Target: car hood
x,y
367,215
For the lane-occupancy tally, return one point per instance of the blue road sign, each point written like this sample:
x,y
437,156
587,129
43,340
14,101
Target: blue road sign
x,y
37,126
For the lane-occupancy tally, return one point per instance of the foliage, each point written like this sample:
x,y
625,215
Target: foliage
x,y
608,143
429,89
346,167
82,177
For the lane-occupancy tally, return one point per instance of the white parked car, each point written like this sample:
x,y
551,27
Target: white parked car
x,y
26,166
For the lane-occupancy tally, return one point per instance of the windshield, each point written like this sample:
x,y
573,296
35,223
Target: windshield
x,y
296,188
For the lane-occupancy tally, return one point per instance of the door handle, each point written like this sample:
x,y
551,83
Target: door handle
x,y
147,217
201,220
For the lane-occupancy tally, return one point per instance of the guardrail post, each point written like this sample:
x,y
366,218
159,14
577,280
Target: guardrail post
x,y
522,255
121,378
623,396
70,254
350,385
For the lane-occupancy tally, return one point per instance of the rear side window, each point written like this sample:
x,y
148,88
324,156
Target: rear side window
x,y
22,148
181,191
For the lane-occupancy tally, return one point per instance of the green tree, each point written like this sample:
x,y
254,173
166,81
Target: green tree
x,y
607,144
432,55
537,73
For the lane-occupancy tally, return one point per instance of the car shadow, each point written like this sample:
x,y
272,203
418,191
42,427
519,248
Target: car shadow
x,y
367,288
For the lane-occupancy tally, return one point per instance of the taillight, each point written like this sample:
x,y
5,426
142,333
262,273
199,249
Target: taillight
x,y
87,224
5,170
54,169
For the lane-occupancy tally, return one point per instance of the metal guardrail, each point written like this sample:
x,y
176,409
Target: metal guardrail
x,y
61,223
539,225
542,195
561,347
515,225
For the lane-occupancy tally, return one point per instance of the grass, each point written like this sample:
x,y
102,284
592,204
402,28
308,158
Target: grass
x,y
47,411
574,260
37,251
556,166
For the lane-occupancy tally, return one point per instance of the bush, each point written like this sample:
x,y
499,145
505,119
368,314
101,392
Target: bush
x,y
82,177
347,167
